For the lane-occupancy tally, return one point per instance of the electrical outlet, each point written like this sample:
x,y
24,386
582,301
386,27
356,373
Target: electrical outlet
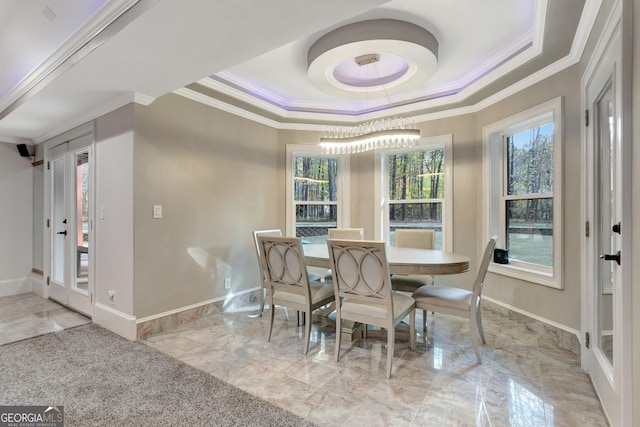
x,y
157,211
111,295
227,283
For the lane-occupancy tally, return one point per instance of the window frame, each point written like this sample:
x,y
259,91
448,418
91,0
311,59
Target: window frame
x,y
381,199
343,193
495,189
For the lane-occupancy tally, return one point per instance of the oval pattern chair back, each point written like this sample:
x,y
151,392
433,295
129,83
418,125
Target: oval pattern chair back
x,y
363,291
415,238
263,278
346,233
343,234
288,282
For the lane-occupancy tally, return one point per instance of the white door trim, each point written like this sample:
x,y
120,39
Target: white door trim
x,y
621,377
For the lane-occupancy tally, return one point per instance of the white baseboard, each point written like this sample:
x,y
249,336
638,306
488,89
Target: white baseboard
x,y
116,321
15,286
192,306
534,316
37,284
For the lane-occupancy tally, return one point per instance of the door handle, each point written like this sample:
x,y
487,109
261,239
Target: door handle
x,y
62,232
608,257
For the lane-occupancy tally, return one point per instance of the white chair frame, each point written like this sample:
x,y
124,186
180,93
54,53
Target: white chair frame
x,y
361,282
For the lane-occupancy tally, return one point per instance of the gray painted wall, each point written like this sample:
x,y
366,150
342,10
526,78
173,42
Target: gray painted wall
x,y
114,197
219,176
16,213
216,177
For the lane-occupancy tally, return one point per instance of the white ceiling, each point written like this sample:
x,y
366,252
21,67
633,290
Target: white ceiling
x,y
66,62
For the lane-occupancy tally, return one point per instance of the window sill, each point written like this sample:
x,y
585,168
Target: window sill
x,y
525,274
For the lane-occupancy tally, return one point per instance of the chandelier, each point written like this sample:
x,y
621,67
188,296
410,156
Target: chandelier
x,y
370,61
395,132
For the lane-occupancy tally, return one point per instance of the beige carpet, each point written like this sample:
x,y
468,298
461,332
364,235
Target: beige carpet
x,y
102,379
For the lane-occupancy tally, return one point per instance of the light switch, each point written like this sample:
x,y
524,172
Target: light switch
x,y
157,211
101,212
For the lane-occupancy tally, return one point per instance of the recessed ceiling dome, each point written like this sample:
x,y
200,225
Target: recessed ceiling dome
x,y
370,58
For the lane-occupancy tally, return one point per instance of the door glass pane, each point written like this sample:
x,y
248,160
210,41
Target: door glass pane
x,y
606,204
81,180
58,221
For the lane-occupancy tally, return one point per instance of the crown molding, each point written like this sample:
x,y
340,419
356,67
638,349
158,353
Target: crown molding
x,y
14,140
519,52
585,26
98,29
103,108
142,99
220,105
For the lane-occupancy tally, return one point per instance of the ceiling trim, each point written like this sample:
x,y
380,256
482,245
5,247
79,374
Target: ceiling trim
x,y
519,52
220,105
104,108
585,26
89,37
449,93
14,140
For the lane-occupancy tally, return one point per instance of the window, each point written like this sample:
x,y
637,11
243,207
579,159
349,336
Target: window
x,y
415,183
522,185
316,187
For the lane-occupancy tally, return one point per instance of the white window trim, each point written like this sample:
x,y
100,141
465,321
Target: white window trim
x,y
493,214
297,150
381,219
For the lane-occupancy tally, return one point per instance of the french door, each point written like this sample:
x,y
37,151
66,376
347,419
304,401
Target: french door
x,y
606,308
71,225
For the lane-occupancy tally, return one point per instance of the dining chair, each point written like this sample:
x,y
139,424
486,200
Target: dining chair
x,y
412,238
346,233
313,277
288,282
263,277
460,302
419,239
363,291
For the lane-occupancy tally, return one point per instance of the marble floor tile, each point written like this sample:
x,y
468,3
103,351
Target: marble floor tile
x,y
28,315
523,381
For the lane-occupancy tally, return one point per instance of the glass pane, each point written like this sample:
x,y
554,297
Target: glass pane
x,y
315,179
606,218
416,215
530,231
58,222
38,217
530,161
314,221
82,220
416,175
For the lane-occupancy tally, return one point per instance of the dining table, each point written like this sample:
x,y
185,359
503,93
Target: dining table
x,y
401,261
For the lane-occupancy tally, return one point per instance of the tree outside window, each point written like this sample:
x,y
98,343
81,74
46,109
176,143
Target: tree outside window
x,y
528,196
416,191
315,197
522,184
